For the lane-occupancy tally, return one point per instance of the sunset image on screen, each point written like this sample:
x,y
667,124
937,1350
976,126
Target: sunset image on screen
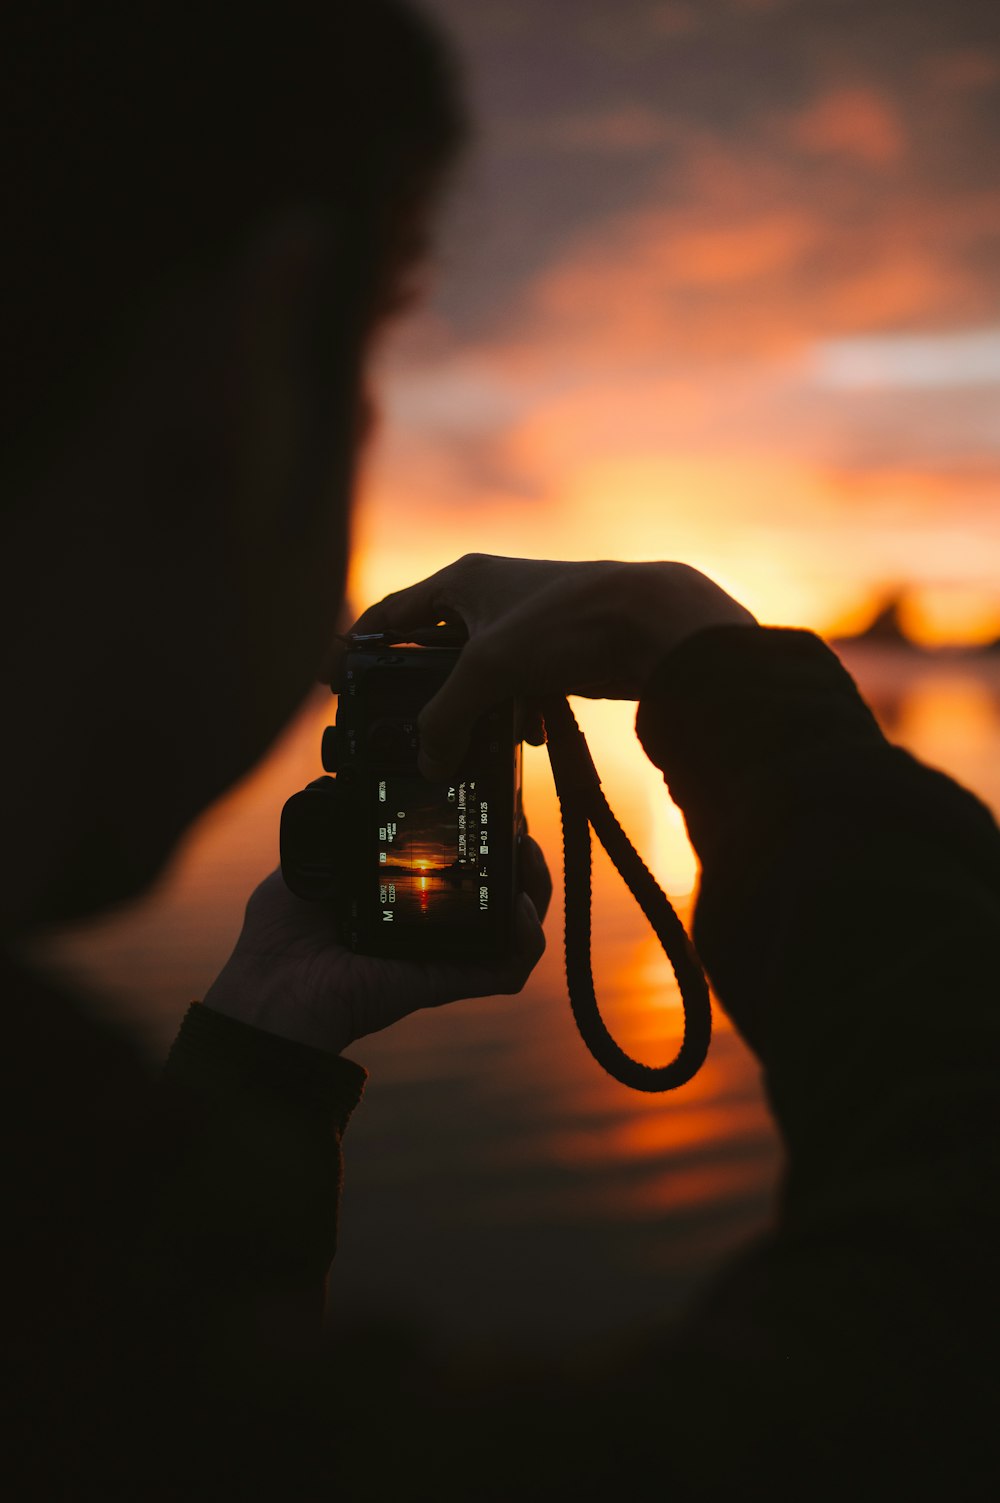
x,y
433,860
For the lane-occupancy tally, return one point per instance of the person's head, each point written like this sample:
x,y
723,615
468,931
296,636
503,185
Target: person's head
x,y
211,210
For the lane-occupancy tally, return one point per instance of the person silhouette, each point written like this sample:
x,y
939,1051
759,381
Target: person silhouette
x,y
209,222
210,217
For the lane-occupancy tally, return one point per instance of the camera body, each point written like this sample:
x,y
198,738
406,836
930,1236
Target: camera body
x,y
414,870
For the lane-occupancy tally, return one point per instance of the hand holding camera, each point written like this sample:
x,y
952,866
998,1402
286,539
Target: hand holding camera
x,y
292,975
430,736
411,845
542,627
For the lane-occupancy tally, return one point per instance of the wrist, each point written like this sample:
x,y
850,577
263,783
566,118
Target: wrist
x,y
666,603
273,1003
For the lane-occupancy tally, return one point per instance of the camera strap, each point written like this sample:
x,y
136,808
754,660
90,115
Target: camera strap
x,y
583,805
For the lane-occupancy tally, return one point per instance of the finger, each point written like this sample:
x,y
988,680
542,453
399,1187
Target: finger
x,y
529,652
410,607
480,679
527,946
418,605
453,983
533,875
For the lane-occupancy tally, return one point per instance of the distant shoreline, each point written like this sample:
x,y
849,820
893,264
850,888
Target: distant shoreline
x,y
879,664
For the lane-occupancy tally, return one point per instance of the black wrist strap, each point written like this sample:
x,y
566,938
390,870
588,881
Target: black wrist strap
x,y
583,805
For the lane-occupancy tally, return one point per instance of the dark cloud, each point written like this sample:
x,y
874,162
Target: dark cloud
x,y
689,248
588,109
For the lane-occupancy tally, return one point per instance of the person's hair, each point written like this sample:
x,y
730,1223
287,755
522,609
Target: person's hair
x,y
141,140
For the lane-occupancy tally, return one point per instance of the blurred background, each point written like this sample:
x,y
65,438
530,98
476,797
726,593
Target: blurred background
x,y
718,282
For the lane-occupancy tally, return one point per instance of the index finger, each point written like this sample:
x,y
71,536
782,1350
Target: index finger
x,y
421,604
486,673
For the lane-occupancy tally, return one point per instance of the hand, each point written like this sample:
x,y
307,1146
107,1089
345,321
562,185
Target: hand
x,y
540,627
291,976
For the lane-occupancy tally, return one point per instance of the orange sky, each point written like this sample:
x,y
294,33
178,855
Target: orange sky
x,y
717,283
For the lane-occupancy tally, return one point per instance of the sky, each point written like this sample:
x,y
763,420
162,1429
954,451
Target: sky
x,y
717,281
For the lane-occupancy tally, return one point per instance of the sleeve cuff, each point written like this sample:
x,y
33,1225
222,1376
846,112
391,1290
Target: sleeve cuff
x,y
736,706
752,725
217,1054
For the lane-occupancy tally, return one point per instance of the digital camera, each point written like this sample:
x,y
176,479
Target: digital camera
x,y
414,869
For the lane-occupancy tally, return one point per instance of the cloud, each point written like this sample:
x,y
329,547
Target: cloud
x,y
673,18
937,361
739,308
625,128
751,251
964,69
857,122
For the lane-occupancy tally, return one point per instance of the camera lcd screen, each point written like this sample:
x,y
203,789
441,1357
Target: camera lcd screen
x,y
432,851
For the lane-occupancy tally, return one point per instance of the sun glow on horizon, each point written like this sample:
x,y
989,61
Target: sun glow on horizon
x,y
769,350
821,576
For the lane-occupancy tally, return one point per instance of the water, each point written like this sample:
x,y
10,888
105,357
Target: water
x,y
499,1186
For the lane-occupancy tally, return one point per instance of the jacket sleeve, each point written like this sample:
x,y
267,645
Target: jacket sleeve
x,y
848,917
241,1236
263,1180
